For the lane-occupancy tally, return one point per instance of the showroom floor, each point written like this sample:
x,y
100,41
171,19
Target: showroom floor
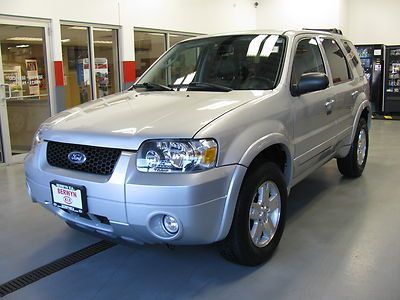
x,y
341,242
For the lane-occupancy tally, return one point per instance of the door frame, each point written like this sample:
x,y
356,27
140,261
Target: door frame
x,y
48,58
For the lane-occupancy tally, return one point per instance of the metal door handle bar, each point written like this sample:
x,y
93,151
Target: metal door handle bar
x,y
355,93
9,90
329,106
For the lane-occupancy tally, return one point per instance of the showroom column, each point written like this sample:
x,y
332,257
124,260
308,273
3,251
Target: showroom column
x,y
58,66
128,65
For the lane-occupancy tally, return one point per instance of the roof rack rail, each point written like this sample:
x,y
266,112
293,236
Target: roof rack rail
x,y
331,30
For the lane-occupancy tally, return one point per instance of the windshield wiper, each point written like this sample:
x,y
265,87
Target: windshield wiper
x,y
153,85
210,86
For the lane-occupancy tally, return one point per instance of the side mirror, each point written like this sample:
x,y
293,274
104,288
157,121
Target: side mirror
x,y
310,82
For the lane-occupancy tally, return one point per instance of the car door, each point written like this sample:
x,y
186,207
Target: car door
x,y
314,120
344,87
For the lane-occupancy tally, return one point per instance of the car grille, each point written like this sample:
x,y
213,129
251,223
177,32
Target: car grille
x,y
99,160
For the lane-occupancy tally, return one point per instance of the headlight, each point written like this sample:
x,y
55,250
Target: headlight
x,y
177,156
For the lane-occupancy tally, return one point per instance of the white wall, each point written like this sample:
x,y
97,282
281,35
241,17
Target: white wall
x,y
199,16
206,16
363,21
298,14
374,22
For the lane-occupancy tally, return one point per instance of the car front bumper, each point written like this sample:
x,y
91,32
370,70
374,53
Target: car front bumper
x,y
130,205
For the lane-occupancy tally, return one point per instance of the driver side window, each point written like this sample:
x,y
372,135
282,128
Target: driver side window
x,y
307,59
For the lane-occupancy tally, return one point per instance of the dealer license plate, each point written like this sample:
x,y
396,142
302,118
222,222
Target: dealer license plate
x,y
69,196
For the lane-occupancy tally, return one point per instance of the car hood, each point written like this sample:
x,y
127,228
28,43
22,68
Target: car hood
x,y
126,119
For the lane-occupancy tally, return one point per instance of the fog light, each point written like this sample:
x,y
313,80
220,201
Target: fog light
x,y
170,224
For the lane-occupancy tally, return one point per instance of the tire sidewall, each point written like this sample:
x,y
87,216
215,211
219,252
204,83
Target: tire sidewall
x,y
265,172
362,124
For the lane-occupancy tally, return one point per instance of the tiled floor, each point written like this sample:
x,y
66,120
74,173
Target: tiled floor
x,y
341,242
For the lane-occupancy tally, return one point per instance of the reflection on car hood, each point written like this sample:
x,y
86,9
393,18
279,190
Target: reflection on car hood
x,y
126,119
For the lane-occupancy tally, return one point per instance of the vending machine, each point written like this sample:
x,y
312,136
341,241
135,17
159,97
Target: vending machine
x,y
391,100
372,60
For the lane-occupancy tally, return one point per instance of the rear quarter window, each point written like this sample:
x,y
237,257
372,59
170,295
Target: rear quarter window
x,y
353,57
337,61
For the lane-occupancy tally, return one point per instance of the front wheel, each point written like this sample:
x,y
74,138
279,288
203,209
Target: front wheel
x,y
259,217
354,163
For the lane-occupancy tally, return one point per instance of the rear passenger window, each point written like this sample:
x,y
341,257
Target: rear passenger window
x,y
307,59
337,62
352,56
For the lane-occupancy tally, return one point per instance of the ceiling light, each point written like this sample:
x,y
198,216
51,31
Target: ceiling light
x,y
23,38
78,27
255,44
22,46
103,42
65,40
101,29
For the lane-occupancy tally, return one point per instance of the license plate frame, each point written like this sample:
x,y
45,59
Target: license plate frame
x,y
76,197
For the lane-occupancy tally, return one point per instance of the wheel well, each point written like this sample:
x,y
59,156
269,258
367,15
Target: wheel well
x,y
365,114
277,154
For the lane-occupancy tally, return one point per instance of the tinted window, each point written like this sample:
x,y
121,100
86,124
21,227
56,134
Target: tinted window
x,y
352,56
307,59
337,61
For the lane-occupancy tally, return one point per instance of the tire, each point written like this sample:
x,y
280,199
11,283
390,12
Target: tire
x,y
353,164
239,246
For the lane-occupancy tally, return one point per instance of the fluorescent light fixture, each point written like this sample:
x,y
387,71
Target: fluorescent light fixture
x,y
103,42
101,29
78,28
22,46
25,38
269,45
130,130
189,78
255,44
313,42
65,40
218,105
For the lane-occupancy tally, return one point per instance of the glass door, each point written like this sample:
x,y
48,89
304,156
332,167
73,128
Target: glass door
x,y
24,88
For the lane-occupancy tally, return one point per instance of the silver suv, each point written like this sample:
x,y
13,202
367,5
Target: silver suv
x,y
206,145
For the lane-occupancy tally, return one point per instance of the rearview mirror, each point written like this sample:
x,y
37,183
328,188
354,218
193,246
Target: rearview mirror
x,y
310,82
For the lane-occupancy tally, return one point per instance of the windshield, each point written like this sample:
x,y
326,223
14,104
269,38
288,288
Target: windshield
x,y
223,63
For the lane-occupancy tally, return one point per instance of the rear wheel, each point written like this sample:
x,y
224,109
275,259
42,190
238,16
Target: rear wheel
x,y
259,217
354,163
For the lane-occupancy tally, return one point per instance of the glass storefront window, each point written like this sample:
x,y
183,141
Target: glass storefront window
x,y
78,65
106,61
24,74
176,38
77,70
148,47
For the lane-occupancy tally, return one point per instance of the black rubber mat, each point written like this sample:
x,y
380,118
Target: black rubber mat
x,y
55,266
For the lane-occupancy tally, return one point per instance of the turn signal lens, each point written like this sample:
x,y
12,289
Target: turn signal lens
x,y
210,156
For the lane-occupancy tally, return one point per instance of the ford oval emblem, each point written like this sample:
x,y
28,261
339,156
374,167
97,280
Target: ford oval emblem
x,y
76,157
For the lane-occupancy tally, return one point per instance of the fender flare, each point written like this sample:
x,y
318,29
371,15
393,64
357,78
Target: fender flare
x,y
256,148
365,104
267,141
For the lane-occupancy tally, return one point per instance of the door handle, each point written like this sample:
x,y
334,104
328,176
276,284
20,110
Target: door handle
x,y
355,93
329,106
8,87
